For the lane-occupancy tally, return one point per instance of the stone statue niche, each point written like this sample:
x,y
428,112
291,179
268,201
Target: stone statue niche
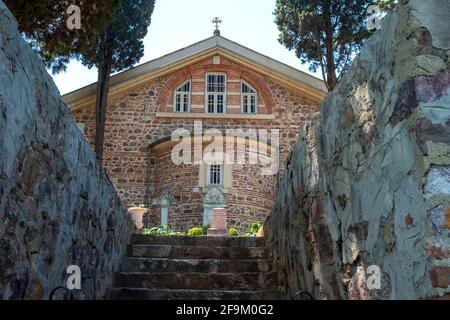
x,y
214,198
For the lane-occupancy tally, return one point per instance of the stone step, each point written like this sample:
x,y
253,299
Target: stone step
x,y
162,294
197,241
197,252
163,265
198,281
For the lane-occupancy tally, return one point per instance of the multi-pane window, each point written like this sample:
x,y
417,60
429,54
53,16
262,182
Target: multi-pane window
x,y
215,175
248,99
215,92
182,97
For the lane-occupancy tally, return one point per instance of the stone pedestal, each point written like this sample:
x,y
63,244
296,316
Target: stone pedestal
x,y
219,223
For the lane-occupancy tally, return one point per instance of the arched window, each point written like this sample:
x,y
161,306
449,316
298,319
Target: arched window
x,y
182,97
249,99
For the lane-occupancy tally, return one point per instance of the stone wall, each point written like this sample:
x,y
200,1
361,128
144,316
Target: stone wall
x,y
57,205
368,182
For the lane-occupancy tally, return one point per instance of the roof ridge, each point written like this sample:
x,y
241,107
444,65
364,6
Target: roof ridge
x,y
163,64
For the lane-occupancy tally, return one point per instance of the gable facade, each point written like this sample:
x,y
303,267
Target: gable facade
x,y
217,91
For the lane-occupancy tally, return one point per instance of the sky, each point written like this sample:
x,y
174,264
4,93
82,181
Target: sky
x,y
180,23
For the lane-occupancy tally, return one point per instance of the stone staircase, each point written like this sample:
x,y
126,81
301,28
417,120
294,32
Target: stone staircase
x,y
195,268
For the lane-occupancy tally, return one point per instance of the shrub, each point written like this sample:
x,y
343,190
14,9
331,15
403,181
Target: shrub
x,y
205,228
253,230
152,231
195,232
234,232
162,231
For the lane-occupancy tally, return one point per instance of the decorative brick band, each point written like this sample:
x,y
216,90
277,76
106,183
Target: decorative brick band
x,y
174,81
177,79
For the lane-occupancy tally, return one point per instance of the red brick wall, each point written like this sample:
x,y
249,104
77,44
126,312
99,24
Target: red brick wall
x,y
179,180
132,125
251,198
439,253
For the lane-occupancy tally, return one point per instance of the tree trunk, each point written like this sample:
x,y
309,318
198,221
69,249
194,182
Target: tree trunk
x,y
331,68
331,80
104,75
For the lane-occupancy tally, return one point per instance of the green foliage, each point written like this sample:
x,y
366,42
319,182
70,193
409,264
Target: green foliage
x,y
162,231
386,5
196,232
122,42
152,231
234,232
325,34
111,39
44,24
252,231
119,47
254,228
205,228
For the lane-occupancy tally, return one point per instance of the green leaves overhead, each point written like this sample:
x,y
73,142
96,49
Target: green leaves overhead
x,y
44,24
119,47
123,39
324,33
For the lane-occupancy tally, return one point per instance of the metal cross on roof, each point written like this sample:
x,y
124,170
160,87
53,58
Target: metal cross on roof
x,y
216,21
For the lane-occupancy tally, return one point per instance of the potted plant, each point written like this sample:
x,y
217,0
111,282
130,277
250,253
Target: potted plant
x,y
137,213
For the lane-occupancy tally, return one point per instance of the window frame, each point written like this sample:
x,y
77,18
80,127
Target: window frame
x,y
183,94
248,95
221,177
216,94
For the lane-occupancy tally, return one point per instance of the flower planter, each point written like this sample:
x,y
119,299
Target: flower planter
x,y
137,213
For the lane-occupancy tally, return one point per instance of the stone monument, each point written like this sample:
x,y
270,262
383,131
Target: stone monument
x,y
219,223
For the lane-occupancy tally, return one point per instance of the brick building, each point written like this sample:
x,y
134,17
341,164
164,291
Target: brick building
x,y
212,86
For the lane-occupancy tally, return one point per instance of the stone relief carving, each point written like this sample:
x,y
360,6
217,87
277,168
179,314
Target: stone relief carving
x,y
215,197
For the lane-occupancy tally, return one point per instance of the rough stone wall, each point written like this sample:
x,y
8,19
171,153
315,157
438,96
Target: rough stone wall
x,y
57,205
132,124
368,182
